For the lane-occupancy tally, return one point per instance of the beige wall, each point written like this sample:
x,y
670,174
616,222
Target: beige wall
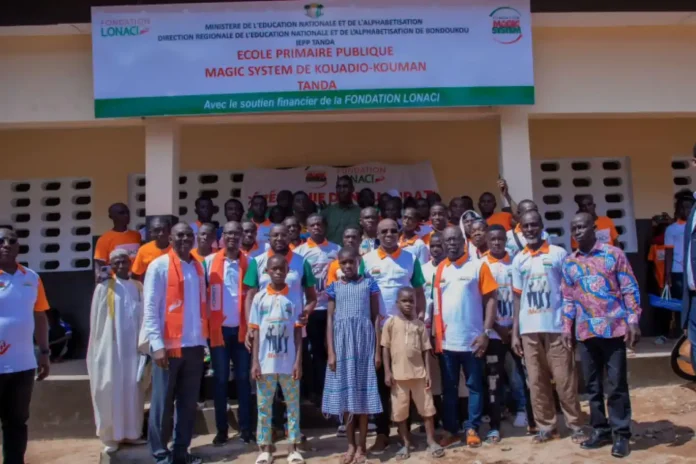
x,y
106,156
464,154
650,143
577,70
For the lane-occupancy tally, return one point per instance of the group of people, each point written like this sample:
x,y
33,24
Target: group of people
x,y
381,303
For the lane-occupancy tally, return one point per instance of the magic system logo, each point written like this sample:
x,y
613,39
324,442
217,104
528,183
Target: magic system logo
x,y
314,10
506,25
316,177
127,27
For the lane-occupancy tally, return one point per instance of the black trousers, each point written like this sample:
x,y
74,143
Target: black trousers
x,y
316,334
383,421
15,396
598,355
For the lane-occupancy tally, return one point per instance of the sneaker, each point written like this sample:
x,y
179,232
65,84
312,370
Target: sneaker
x,y
472,439
341,431
220,439
380,446
520,420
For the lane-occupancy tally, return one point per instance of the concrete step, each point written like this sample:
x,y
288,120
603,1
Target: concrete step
x,y
61,406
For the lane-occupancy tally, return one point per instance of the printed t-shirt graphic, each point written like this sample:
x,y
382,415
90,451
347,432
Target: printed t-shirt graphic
x,y
275,317
319,256
501,269
537,277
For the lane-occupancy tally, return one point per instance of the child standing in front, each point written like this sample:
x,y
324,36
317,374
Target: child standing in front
x,y
277,358
406,354
350,389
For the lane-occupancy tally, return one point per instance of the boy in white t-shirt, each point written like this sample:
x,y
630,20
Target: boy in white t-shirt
x,y
277,357
537,330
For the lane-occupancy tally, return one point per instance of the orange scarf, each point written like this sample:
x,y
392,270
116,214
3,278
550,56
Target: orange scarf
x,y
174,317
437,303
217,285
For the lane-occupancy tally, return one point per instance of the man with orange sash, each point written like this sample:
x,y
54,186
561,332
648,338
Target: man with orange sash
x,y
176,324
226,270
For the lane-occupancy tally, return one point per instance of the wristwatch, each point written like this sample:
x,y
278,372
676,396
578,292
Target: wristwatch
x,y
488,332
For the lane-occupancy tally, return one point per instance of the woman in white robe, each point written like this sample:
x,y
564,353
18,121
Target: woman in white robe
x,y
113,357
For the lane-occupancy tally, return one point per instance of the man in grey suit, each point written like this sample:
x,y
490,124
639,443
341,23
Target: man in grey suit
x,y
688,315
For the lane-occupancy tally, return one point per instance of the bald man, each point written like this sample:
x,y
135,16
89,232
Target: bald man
x,y
176,325
392,268
119,237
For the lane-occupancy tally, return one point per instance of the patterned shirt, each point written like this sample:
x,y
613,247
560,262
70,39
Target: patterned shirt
x,y
600,293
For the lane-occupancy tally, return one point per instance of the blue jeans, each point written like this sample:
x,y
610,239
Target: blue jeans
x,y
220,357
474,368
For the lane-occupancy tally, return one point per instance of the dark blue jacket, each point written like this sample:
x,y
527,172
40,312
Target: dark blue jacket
x,y
687,311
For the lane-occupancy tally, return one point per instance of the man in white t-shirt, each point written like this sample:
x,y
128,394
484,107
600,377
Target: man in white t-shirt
x,y
319,253
537,330
23,307
465,302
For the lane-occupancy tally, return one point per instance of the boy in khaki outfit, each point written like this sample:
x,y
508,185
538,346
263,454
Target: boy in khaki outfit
x,y
406,353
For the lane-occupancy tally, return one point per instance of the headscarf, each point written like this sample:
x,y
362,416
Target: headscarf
x,y
470,214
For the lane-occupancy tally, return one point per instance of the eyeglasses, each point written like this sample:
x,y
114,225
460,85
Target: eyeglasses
x,y
9,240
389,231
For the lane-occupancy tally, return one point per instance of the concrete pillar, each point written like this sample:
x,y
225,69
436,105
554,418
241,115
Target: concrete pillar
x,y
162,145
515,159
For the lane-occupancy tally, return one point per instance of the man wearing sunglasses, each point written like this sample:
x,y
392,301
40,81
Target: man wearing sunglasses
x,y
393,269
22,318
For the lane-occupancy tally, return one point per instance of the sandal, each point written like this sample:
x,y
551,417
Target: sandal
x,y
295,458
402,454
264,458
578,436
544,436
435,450
493,437
472,439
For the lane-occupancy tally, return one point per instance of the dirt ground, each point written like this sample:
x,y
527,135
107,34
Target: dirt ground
x,y
664,422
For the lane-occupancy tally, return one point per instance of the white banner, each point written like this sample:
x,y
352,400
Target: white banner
x,y
319,182
293,55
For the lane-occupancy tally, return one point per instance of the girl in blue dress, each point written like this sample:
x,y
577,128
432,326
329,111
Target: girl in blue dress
x,y
350,390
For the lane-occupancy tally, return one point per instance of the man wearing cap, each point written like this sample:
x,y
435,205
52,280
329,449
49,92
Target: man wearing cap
x,y
22,319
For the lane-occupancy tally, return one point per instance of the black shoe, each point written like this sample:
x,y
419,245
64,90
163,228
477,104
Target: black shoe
x,y
188,459
596,440
220,439
621,447
247,438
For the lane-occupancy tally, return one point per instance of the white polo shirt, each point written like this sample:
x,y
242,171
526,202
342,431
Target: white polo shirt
x,y
319,256
230,296
275,317
21,294
429,276
537,277
299,275
463,284
417,247
392,272
502,273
